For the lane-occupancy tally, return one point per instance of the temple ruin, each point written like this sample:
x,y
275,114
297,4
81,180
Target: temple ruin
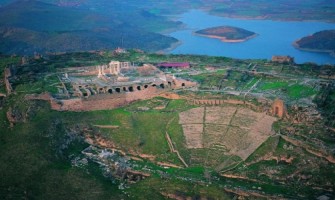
x,y
113,68
111,85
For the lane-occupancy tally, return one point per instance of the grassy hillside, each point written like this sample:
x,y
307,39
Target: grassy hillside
x,y
41,155
26,42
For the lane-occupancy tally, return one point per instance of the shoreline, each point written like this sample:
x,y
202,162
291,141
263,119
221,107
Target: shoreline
x,y
168,31
224,39
171,48
266,17
260,17
296,45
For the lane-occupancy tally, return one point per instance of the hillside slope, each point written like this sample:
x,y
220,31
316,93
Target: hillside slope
x,y
33,26
323,41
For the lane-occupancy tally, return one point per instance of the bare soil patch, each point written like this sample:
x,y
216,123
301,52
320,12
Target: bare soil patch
x,y
192,116
193,135
219,115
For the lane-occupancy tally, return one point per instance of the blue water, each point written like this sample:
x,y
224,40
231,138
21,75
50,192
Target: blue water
x,y
275,38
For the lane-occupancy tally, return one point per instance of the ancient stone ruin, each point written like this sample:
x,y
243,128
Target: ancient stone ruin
x,y
278,108
282,59
230,128
107,87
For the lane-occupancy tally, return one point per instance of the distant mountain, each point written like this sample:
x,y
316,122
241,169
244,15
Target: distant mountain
x,y
322,10
26,42
323,41
288,10
33,26
41,16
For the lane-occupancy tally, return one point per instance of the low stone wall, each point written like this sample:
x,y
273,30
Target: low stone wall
x,y
214,102
97,102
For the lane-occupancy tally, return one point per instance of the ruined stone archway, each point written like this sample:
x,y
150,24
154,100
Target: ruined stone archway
x,y
131,89
278,108
183,85
125,89
145,86
154,85
138,87
277,111
110,91
162,86
118,90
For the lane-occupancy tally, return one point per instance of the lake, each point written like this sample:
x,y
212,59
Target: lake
x,y
274,38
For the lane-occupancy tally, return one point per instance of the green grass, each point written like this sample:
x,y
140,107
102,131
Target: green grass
x,y
268,146
34,165
273,85
291,90
31,166
250,83
6,61
177,105
214,79
155,186
221,72
300,91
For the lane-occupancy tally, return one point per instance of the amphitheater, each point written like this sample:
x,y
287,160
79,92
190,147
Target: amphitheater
x,y
232,129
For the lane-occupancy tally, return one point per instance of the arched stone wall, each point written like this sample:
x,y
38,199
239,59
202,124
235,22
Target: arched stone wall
x,y
278,108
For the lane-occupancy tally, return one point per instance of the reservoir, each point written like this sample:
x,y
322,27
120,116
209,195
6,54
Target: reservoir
x,y
274,38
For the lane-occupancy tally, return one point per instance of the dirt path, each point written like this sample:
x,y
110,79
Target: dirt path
x,y
169,141
173,150
106,126
252,87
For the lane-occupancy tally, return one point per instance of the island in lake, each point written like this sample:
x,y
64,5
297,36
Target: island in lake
x,y
323,41
227,33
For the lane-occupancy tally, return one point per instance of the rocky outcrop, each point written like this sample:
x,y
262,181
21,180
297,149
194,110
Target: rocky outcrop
x,y
14,116
8,74
308,115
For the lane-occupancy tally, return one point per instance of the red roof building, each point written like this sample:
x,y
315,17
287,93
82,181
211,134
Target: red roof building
x,y
182,65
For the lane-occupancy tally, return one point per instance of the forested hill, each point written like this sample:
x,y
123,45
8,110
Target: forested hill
x,y
33,26
320,41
